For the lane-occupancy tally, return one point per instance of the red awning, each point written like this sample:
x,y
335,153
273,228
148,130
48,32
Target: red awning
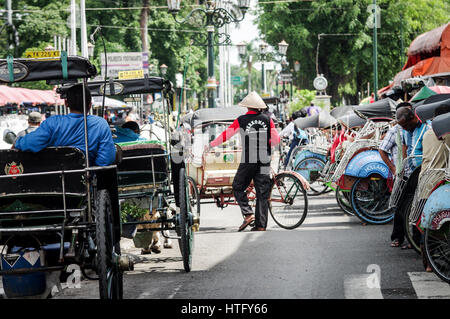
x,y
22,95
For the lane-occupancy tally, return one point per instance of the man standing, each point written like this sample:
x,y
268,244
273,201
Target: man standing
x,y
34,120
68,130
258,134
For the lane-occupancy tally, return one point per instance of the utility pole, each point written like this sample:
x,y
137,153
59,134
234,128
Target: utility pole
x,y
84,48
73,29
375,50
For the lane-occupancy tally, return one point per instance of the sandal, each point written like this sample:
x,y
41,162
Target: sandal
x,y
395,243
406,246
247,221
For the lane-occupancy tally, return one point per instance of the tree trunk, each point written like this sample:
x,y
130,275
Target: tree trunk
x,y
143,25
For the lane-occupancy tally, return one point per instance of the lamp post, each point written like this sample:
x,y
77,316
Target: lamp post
x,y
242,50
265,56
90,48
211,18
163,69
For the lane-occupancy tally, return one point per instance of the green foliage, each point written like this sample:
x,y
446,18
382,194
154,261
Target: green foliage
x,y
345,49
301,99
131,212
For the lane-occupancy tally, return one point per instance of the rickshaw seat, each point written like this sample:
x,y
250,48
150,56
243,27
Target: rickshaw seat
x,y
139,171
51,159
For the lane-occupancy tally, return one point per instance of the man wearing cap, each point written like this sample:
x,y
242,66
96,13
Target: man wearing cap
x,y
258,134
34,120
68,130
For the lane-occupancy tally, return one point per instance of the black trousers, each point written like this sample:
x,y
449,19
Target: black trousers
x,y
260,174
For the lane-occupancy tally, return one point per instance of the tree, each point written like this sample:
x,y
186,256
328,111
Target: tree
x,y
344,52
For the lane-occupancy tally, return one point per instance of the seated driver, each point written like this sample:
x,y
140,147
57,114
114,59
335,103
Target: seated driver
x,y
68,130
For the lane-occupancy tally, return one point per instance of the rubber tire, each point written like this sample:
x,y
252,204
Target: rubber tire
x,y
405,211
104,236
305,195
347,209
362,216
312,191
428,257
187,235
191,181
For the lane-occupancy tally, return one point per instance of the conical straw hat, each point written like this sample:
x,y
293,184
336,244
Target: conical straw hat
x,y
253,101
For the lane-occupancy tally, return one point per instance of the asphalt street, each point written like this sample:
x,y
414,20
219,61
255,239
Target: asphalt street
x,y
331,255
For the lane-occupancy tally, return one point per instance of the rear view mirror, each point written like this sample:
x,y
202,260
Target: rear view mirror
x,y
9,136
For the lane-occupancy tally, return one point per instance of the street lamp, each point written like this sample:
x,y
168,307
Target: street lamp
x,y
90,48
297,66
212,18
163,69
282,47
242,50
263,55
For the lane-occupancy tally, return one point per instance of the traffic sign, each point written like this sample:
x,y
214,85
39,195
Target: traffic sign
x,y
132,74
42,54
237,80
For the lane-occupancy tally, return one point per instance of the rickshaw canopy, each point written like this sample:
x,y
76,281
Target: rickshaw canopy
x,y
133,86
319,120
382,109
340,111
24,70
214,115
352,120
441,125
426,111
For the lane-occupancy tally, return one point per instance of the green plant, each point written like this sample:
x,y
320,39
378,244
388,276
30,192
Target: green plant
x,y
129,211
301,99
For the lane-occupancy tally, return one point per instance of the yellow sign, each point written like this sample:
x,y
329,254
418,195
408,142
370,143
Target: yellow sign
x,y
42,54
128,75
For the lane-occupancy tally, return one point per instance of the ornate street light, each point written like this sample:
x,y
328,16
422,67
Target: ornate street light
x,y
297,66
282,47
91,48
212,18
242,48
163,69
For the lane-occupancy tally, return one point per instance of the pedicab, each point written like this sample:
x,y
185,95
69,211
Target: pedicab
x,y
144,172
310,159
277,109
436,211
350,124
211,174
361,171
56,208
408,190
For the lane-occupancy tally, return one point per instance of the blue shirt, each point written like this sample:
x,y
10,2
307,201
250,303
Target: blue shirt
x,y
68,130
410,139
126,135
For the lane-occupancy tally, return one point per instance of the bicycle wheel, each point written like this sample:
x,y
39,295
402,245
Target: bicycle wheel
x,y
194,195
288,202
310,168
411,231
370,200
343,200
437,250
185,231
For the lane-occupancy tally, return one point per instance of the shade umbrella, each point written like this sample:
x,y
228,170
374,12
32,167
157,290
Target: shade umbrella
x,y
425,92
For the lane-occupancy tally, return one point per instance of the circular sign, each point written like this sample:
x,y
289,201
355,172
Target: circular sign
x,y
118,88
320,83
20,71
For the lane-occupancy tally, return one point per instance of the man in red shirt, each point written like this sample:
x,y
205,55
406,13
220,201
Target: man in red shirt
x,y
258,134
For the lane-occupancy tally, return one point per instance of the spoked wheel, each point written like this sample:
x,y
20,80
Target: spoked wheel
x,y
108,249
310,168
437,250
343,200
194,195
184,228
288,203
370,200
411,231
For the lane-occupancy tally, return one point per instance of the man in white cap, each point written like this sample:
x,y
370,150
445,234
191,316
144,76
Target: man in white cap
x,y
34,120
258,134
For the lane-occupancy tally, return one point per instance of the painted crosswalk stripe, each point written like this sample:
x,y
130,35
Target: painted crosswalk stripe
x,y
360,287
429,286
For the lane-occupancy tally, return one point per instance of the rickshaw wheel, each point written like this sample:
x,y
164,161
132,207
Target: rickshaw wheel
x,y
288,202
110,277
437,250
194,195
343,200
410,230
316,187
186,233
370,198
